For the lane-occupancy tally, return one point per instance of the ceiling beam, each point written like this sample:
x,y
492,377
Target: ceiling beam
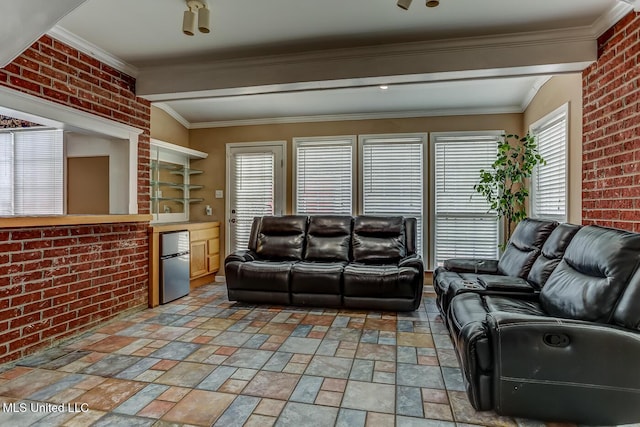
x,y
549,52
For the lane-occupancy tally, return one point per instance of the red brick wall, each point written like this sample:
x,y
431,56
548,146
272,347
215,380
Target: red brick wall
x,y
611,129
58,281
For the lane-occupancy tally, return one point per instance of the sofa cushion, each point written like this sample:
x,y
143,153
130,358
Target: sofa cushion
x,y
259,275
551,254
281,238
378,240
380,281
524,246
317,277
328,238
593,274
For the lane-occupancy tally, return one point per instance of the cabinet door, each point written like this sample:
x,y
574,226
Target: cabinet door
x,y
198,258
213,246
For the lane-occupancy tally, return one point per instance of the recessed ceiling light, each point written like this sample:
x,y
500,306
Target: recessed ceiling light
x,y
383,87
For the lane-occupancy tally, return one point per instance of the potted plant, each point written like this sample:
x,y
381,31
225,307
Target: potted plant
x,y
504,186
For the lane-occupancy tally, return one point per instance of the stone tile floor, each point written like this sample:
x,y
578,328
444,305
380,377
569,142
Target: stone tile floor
x,y
203,361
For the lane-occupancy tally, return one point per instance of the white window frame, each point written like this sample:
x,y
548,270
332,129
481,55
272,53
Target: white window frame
x,y
362,140
534,129
319,141
51,114
432,188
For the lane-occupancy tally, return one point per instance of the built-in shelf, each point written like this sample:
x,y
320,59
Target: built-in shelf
x,y
176,199
171,187
176,185
186,171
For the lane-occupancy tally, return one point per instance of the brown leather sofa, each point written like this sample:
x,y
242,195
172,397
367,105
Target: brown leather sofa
x,y
566,351
363,262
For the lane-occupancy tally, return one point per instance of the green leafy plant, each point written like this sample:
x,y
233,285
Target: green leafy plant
x,y
504,186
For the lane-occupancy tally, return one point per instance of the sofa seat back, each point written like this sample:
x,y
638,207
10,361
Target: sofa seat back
x,y
524,246
328,238
281,238
378,240
551,254
597,267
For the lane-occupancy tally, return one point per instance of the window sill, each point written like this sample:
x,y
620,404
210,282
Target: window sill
x,y
49,221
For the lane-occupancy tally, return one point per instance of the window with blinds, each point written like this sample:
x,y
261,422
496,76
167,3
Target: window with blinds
x,y
253,192
324,175
548,197
32,173
464,227
392,177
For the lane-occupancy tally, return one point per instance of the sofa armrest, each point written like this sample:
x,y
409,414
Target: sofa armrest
x,y
468,265
498,283
242,256
584,368
414,260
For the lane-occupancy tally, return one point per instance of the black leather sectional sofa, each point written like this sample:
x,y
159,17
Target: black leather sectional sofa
x,y
359,262
551,330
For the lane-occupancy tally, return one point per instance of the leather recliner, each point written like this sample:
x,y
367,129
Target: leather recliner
x,y
330,261
533,251
569,353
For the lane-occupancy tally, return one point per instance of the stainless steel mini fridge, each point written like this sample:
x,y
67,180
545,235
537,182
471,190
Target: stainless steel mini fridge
x,y
174,265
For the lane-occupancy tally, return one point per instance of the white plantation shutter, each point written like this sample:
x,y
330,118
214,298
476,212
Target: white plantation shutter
x,y
6,173
392,178
324,176
38,173
254,192
463,226
549,182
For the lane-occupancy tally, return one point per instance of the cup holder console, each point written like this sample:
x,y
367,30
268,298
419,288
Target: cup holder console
x,y
470,285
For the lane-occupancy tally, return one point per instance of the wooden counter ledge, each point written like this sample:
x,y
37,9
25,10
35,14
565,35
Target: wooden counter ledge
x,y
51,221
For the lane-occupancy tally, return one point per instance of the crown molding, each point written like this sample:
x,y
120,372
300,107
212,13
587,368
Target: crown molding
x,y
537,85
613,15
173,113
67,37
363,116
634,3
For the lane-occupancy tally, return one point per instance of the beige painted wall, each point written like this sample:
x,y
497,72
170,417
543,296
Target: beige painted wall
x,y
88,185
167,129
556,92
213,141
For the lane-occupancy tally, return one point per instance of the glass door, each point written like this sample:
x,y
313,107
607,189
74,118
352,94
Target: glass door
x,y
255,177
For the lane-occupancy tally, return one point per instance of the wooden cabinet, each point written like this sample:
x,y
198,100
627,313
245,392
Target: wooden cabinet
x,y
204,242
205,251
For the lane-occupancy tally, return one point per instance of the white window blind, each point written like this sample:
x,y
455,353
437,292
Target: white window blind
x,y
324,176
36,173
392,178
549,181
254,192
6,173
464,227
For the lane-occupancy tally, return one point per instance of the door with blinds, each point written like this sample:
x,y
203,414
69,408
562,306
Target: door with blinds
x,y
255,177
464,224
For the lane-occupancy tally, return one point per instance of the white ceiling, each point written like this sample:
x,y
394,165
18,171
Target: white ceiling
x,y
150,31
143,36
403,100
